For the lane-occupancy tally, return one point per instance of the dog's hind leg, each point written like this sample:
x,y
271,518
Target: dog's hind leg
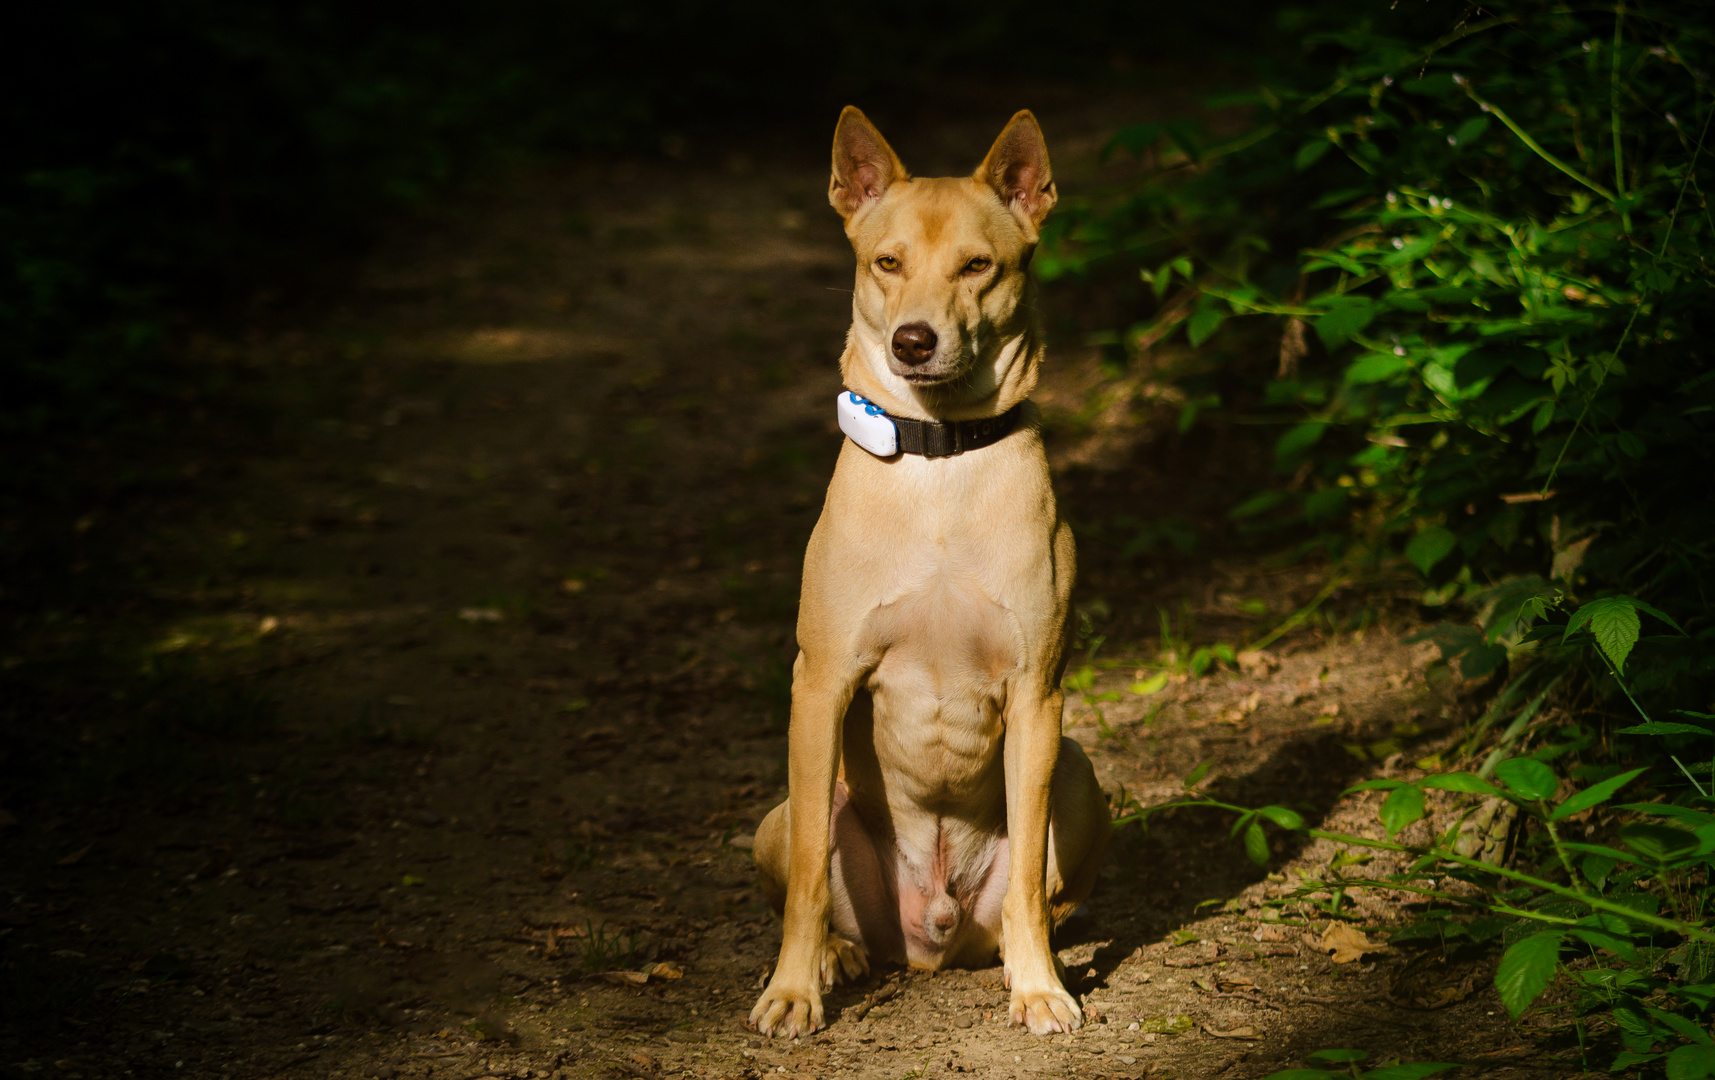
x,y
1078,828
862,915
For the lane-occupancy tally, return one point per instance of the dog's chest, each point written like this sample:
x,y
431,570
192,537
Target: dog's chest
x,y
947,652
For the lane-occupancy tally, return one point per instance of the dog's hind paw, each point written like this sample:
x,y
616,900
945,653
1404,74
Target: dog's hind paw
x,y
842,961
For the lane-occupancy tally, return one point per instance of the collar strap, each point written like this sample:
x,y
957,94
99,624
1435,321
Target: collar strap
x,y
929,438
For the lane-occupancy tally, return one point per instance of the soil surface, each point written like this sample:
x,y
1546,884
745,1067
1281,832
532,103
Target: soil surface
x,y
411,717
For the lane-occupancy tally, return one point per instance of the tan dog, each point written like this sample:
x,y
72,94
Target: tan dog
x,y
935,814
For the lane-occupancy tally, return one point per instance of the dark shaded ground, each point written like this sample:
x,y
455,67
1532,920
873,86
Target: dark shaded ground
x,y
369,710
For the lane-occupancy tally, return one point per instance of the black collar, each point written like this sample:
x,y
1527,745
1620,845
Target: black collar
x,y
944,438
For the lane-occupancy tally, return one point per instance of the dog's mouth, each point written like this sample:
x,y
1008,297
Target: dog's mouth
x,y
925,378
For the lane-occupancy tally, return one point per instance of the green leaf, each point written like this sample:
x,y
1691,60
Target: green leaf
x,y
1662,727
1597,868
1594,795
1680,1026
1470,131
1280,815
1460,781
1348,316
1259,503
1658,843
1151,685
1527,778
1325,503
1203,323
1526,970
1197,774
1598,849
1413,1071
1544,416
1479,660
1440,380
1375,367
1297,439
1310,153
1256,844
1403,806
1614,622
1374,785
1658,613
1429,547
1604,931
1691,1063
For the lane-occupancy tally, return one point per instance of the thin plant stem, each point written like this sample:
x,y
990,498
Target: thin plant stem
x,y
1700,788
1252,138
1560,850
1596,902
1690,171
1614,118
1443,854
1516,728
1292,621
1536,147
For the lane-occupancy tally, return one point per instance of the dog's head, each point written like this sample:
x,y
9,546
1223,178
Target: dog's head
x,y
943,311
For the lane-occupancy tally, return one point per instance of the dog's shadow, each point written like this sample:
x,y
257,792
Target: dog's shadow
x,y
1157,880
1166,874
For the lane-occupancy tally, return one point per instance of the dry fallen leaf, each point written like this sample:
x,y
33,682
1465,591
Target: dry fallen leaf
x,y
1265,932
1236,1033
1346,943
665,970
625,978
1256,662
77,856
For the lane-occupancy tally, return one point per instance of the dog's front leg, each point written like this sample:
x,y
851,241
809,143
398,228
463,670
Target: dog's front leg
x,y
1039,999
792,1004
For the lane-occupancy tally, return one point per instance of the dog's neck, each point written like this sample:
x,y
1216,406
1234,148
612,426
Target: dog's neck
x,y
999,379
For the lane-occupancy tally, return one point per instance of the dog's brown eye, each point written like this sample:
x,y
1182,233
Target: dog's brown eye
x,y
888,263
978,265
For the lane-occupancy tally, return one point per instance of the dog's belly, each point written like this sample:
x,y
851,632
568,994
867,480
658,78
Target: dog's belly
x,y
947,654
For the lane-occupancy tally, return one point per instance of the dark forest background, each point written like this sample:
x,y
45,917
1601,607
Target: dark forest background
x,y
167,158
1445,269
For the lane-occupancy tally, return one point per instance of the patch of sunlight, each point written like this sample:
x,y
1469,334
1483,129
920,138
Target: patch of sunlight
x,y
287,592
524,344
232,630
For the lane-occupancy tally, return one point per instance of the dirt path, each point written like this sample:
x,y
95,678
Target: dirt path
x,y
498,632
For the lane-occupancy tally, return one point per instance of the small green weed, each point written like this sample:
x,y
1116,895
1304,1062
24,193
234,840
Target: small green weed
x,y
605,949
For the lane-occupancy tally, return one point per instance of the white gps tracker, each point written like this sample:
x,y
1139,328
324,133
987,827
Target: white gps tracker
x,y
867,425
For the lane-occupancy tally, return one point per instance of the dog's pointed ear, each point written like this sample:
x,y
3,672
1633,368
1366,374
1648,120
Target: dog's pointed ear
x,y
864,165
1017,168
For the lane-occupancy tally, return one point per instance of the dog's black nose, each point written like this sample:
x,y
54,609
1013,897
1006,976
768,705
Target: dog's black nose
x,y
914,343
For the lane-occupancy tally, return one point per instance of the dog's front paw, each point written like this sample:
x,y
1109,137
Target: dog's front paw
x,y
1046,1010
842,961
786,1011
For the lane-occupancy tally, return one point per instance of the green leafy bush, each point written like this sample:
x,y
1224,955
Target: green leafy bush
x,y
1463,262
1488,258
